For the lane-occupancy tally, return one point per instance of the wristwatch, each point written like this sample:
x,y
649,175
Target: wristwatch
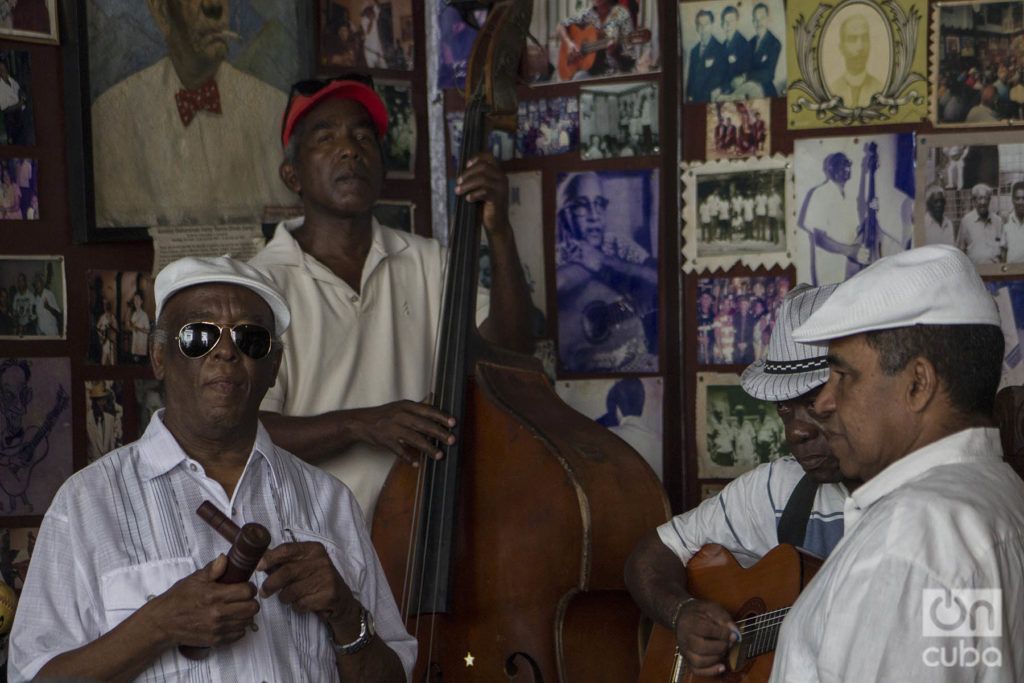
x,y
366,634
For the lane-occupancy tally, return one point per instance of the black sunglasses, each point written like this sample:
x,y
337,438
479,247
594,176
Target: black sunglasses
x,y
195,340
311,86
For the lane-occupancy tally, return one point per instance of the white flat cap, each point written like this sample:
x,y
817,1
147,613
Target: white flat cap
x,y
191,271
789,370
933,285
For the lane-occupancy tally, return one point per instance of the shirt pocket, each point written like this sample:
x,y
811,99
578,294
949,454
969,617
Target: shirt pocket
x,y
125,589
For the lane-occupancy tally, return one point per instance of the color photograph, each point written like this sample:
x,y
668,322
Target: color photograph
x,y
365,34
736,316
32,297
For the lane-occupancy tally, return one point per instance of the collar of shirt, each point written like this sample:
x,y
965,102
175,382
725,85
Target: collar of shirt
x,y
965,447
284,250
161,452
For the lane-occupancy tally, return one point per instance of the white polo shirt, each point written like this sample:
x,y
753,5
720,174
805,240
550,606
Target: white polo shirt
x,y
346,350
947,517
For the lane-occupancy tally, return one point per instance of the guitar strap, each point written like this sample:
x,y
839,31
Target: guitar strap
x,y
792,527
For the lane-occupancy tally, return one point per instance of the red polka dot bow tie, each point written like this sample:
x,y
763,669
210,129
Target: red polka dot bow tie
x,y
191,102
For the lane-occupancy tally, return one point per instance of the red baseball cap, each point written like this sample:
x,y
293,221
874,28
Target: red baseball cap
x,y
301,103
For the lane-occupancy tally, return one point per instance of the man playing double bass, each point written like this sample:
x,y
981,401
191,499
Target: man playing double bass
x,y
796,500
366,300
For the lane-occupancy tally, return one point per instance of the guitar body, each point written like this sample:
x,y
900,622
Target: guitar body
x,y
714,574
581,35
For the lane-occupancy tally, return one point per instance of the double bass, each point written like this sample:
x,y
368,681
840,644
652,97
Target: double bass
x,y
506,556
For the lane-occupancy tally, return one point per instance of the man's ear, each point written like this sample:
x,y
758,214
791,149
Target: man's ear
x,y
156,358
923,383
290,177
158,8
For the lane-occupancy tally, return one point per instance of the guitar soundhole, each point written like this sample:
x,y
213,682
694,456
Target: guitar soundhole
x,y
751,608
596,325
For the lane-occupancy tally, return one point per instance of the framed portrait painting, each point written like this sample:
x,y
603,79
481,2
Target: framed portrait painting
x,y
181,111
874,74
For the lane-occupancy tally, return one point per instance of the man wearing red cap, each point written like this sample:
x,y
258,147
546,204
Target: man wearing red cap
x,y
366,299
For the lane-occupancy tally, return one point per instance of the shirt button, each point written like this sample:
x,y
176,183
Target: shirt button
x,y
192,466
150,597
354,298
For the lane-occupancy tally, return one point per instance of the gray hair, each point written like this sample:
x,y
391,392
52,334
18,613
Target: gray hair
x,y
981,189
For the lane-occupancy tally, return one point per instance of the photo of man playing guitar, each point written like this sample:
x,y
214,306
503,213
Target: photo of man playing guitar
x,y
602,40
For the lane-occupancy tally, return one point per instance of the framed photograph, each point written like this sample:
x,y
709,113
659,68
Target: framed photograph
x,y
577,44
104,413
148,113
16,547
1009,297
968,184
630,408
395,214
33,21
149,398
33,297
736,212
854,203
365,34
736,316
732,50
619,120
122,314
500,143
16,101
737,130
856,62
547,127
735,432
19,189
400,142
606,271
975,69
36,428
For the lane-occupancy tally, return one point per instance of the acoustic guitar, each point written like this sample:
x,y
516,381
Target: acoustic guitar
x,y
758,598
592,41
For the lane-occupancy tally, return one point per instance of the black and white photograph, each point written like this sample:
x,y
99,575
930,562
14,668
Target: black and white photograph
x,y
361,34
629,407
400,142
35,403
395,214
735,432
149,398
854,203
500,143
736,316
122,312
606,265
619,120
856,62
1009,298
736,211
33,297
547,127
104,417
732,50
984,85
972,197
16,547
19,193
582,39
737,130
34,21
17,125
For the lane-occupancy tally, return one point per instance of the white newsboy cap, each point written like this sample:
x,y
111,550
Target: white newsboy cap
x,y
933,285
789,370
191,271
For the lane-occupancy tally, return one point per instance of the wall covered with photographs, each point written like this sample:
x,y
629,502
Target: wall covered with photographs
x,y
675,169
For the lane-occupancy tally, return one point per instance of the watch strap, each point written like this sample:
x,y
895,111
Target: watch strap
x,y
366,633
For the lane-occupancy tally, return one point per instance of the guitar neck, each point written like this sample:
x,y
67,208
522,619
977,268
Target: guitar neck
x,y
594,46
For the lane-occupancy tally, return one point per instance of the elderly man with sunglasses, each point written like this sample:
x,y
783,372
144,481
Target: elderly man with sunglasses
x,y
366,299
124,572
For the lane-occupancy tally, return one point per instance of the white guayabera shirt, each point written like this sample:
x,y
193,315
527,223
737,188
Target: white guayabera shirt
x,y
947,519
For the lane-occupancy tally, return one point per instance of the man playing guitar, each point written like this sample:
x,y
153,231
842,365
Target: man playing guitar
x,y
796,500
605,30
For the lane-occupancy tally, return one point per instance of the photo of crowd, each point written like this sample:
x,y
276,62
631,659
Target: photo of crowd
x,y
979,76
735,317
547,126
736,432
619,121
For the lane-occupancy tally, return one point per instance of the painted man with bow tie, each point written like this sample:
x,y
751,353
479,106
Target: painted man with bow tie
x,y
191,138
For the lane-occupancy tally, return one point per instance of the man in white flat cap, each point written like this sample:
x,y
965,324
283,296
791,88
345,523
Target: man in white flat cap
x,y
796,500
928,582
124,572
